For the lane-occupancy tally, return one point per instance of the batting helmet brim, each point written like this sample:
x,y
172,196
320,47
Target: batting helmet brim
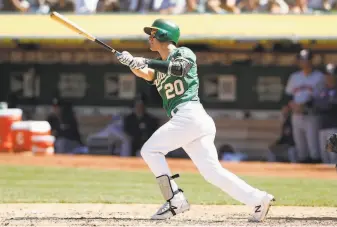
x,y
148,30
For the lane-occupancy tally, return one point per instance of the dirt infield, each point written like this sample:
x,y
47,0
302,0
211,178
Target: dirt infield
x,y
138,215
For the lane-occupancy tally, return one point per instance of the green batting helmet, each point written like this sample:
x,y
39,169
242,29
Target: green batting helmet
x,y
166,31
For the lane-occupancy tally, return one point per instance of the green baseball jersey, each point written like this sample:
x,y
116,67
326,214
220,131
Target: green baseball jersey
x,y
175,90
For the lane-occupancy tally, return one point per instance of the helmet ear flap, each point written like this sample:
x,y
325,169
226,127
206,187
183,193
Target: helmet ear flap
x,y
162,35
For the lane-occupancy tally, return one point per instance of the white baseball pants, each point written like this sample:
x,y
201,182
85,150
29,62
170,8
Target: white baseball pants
x,y
194,130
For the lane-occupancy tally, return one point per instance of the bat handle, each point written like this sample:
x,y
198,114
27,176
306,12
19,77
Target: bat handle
x,y
107,47
116,52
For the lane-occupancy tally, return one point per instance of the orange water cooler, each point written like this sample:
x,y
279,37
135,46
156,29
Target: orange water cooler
x,y
23,132
43,145
7,118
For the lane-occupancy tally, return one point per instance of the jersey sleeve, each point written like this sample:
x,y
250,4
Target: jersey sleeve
x,y
185,54
182,61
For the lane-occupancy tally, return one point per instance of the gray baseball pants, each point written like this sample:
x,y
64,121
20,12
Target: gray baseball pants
x,y
306,136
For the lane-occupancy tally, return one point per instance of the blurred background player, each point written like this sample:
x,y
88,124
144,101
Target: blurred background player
x,y
139,125
283,149
64,127
300,88
325,104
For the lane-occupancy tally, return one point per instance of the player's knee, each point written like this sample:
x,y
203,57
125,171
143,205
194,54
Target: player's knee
x,y
143,152
146,150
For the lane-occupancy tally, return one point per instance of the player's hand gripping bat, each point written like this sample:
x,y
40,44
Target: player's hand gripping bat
x,y
72,26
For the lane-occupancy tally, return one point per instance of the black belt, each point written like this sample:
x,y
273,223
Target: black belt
x,y
175,109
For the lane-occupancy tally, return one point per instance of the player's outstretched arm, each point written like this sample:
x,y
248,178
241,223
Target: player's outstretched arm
x,y
137,65
145,73
145,68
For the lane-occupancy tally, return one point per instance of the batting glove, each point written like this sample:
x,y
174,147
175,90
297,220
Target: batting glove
x,y
138,63
125,58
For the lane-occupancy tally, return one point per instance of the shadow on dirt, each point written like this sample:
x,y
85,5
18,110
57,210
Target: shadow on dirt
x,y
293,219
115,219
305,218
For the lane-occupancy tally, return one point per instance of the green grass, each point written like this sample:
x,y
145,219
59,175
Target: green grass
x,y
78,185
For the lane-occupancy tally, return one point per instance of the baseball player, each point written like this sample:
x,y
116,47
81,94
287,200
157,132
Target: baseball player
x,y
190,127
301,87
325,104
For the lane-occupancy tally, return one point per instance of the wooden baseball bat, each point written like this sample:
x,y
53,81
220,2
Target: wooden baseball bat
x,y
74,27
